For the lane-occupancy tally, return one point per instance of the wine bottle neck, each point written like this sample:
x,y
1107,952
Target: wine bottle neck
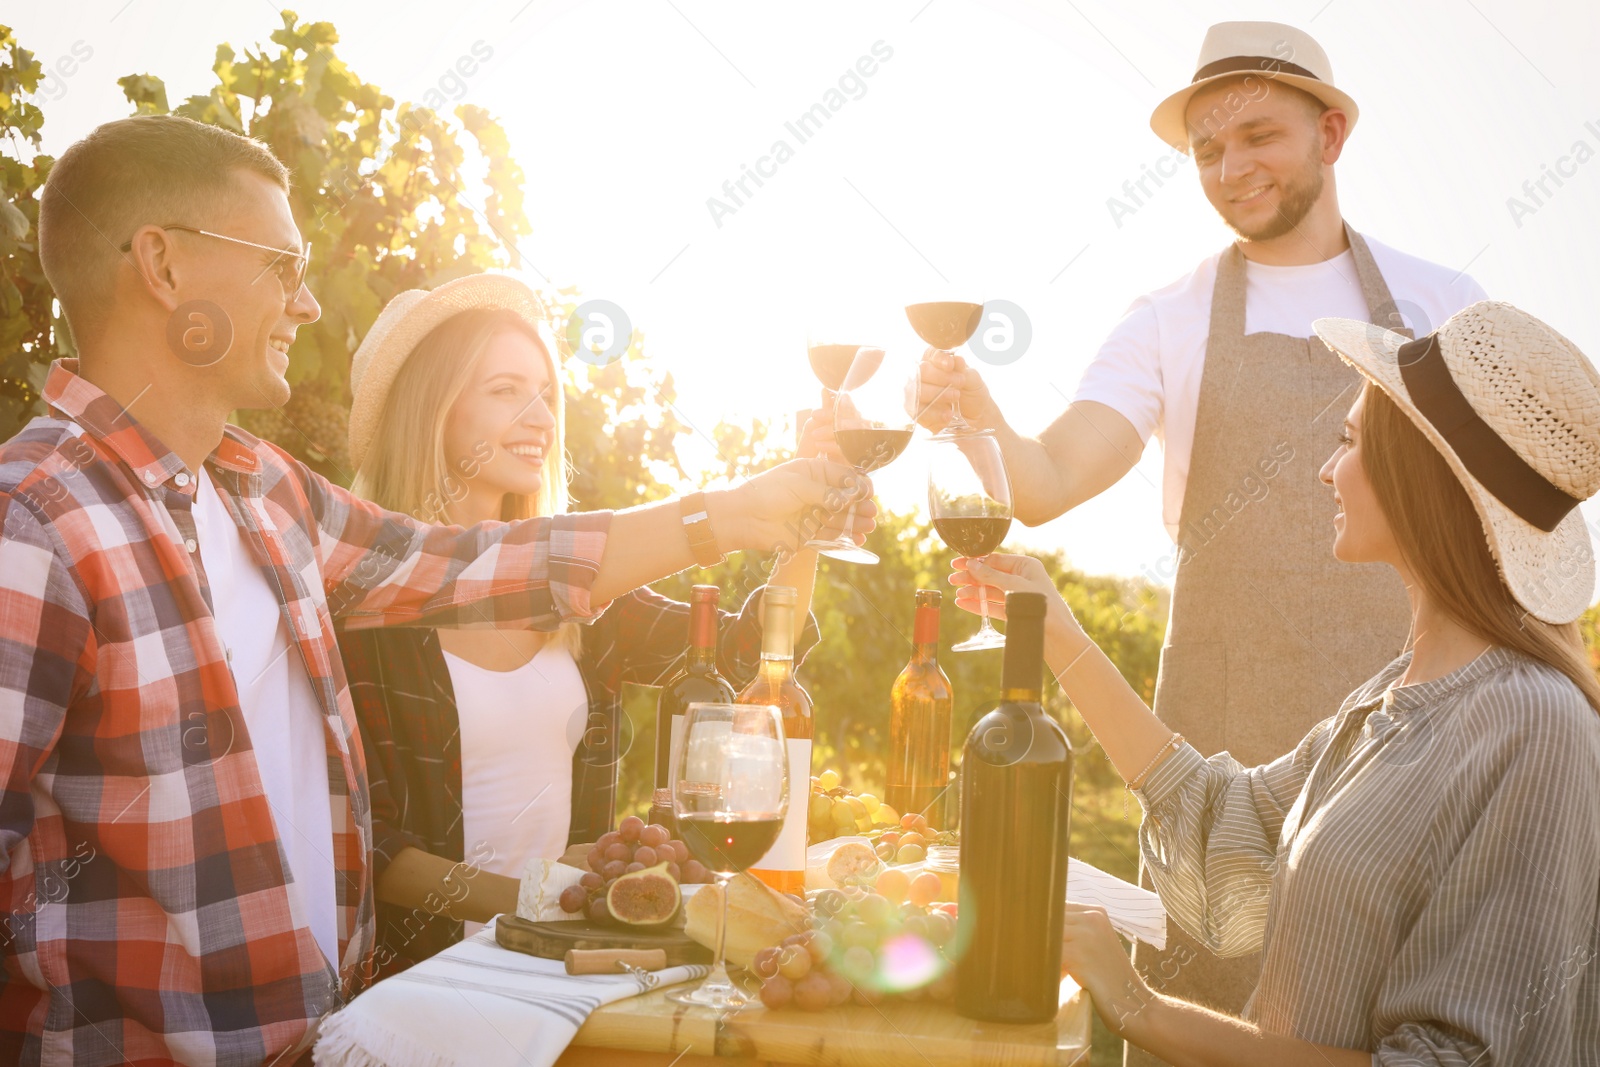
x,y
777,630
702,633
1024,662
1021,695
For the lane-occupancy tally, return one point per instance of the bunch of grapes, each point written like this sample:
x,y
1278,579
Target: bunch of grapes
x,y
837,812
845,956
909,842
632,846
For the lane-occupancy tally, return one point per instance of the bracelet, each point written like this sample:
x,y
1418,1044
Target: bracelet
x,y
697,525
1174,743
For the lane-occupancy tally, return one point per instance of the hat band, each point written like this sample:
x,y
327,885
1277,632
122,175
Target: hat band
x,y
1484,453
1260,64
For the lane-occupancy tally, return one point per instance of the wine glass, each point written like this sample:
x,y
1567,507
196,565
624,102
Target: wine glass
x,y
947,325
969,498
870,425
730,789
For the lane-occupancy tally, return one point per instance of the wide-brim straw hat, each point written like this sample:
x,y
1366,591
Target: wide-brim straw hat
x,y
1268,50
410,317
1514,407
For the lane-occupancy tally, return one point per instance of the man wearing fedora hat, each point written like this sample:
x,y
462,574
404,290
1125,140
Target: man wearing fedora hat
x,y
185,822
1267,630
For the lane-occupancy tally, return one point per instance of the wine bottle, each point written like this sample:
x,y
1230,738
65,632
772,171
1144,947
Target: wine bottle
x,y
696,682
1016,805
919,721
784,866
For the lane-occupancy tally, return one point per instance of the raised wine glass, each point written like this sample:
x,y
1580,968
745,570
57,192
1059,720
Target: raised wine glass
x,y
947,325
730,789
835,363
871,427
969,499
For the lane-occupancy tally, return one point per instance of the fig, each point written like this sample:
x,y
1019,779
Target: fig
x,y
647,897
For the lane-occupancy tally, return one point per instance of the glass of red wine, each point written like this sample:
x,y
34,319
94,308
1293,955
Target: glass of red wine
x,y
969,499
947,325
730,789
871,426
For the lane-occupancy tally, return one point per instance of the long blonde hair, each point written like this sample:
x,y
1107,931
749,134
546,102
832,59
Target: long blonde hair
x,y
406,468
1442,540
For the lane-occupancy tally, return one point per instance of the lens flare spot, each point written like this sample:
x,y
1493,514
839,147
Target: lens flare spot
x,y
907,962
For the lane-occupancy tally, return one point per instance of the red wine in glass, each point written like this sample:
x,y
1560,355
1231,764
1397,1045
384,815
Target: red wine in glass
x,y
969,500
868,448
728,845
974,537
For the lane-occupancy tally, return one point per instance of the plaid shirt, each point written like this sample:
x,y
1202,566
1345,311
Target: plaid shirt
x,y
148,918
406,709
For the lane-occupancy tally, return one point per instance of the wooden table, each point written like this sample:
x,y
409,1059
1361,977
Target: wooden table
x,y
651,1031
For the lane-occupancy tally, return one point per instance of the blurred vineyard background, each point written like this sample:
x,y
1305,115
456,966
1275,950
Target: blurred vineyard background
x,y
392,196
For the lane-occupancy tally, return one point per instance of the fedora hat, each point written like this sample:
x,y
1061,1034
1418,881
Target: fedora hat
x,y
1514,407
1269,50
410,317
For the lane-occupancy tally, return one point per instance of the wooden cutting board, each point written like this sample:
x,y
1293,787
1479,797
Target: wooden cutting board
x,y
551,940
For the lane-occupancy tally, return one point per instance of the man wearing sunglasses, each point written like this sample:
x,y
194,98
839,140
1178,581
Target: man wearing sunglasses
x,y
185,827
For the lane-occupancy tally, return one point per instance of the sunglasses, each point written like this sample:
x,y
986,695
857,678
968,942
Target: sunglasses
x,y
290,266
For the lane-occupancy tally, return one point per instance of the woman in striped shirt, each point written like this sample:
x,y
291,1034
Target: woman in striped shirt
x,y
1422,872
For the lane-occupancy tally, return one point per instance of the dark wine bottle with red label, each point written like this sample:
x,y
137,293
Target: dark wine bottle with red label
x,y
697,682
1016,807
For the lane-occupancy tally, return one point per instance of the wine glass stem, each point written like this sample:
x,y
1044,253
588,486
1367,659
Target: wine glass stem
x,y
849,524
983,605
718,978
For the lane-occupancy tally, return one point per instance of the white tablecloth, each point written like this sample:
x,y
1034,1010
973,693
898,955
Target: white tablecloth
x,y
473,1004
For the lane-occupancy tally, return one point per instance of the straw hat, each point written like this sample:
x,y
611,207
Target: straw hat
x,y
410,317
1515,409
1269,50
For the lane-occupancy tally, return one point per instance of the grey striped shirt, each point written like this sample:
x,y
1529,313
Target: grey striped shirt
x,y
1421,874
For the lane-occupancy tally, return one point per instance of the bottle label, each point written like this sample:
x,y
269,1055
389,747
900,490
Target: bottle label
x,y
676,744
788,853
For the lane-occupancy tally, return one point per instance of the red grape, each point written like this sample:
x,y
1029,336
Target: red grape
x,y
813,992
777,992
619,851
645,854
592,880
630,828
695,872
614,870
597,858
680,851
765,963
794,962
636,866
574,899
655,835
676,872
598,910
609,838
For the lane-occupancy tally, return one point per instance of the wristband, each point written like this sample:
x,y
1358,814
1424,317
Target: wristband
x,y
697,525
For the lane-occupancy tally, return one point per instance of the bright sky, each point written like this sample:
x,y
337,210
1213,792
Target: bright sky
x,y
976,164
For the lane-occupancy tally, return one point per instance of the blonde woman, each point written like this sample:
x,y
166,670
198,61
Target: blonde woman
x,y
1421,874
486,747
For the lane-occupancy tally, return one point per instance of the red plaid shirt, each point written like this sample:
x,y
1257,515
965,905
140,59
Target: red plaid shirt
x,y
147,915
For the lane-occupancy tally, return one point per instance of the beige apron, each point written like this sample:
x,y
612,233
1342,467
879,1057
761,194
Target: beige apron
x,y
1268,632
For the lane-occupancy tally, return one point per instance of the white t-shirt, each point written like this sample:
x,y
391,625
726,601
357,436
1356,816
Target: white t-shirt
x,y
519,730
280,710
1148,370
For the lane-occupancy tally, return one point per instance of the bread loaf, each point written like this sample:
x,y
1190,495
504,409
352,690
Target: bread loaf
x,y
758,917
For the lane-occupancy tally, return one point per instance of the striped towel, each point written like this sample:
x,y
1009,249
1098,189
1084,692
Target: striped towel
x,y
474,1004
1136,913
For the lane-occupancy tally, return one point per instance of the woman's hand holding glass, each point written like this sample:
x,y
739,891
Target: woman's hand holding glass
x,y
984,583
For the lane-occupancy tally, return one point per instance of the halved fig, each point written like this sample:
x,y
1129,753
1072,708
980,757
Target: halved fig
x,y
644,898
